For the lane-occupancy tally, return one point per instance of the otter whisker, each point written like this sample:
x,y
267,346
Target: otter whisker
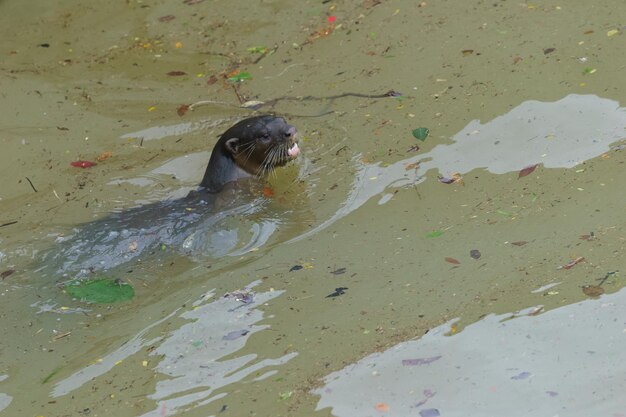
x,y
250,149
265,163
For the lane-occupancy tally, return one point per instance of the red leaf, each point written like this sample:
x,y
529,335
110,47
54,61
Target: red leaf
x,y
519,243
176,73
182,109
526,171
82,164
212,80
452,261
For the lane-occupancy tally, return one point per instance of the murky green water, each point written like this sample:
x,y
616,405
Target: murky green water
x,y
486,262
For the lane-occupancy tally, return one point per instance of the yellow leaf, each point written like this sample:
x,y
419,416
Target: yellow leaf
x,y
612,32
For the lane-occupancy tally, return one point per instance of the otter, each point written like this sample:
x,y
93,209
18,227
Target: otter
x,y
252,147
207,221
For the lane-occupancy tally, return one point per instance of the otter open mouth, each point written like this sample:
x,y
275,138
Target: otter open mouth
x,y
293,151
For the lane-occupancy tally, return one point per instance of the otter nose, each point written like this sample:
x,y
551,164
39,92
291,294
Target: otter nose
x,y
290,133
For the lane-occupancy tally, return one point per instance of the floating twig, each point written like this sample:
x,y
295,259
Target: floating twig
x,y
8,223
31,184
61,336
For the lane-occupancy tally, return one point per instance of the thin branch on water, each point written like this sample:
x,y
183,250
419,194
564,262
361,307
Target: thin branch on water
x,y
31,184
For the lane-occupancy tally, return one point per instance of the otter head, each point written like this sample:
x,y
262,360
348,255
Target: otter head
x,y
253,146
259,144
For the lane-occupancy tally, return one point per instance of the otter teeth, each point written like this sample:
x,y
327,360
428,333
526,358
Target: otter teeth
x,y
293,151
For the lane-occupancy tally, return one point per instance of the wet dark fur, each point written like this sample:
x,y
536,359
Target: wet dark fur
x,y
253,146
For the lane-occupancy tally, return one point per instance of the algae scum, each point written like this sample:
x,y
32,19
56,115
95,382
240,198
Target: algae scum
x,y
455,250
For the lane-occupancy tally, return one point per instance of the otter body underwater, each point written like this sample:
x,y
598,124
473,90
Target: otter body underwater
x,y
193,224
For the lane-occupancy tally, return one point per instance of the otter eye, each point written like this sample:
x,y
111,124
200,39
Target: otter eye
x,y
265,136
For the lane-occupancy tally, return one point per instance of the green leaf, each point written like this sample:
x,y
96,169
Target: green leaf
x,y
240,77
51,374
589,70
100,291
421,133
285,395
436,233
257,49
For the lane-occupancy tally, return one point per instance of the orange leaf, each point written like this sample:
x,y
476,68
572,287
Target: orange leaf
x,y
268,192
382,407
452,261
104,155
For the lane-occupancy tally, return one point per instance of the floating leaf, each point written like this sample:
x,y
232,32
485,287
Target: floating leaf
x,y
467,52
268,192
436,233
295,268
239,77
588,237
589,70
100,291
235,334
104,156
182,109
612,32
51,374
252,104
338,291
526,171
593,290
176,73
452,261
573,262
456,178
167,18
421,133
519,243
521,375
285,395
82,164
257,49
505,213
7,273
382,407
548,51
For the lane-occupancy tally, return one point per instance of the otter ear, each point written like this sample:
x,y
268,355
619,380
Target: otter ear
x,y
232,145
